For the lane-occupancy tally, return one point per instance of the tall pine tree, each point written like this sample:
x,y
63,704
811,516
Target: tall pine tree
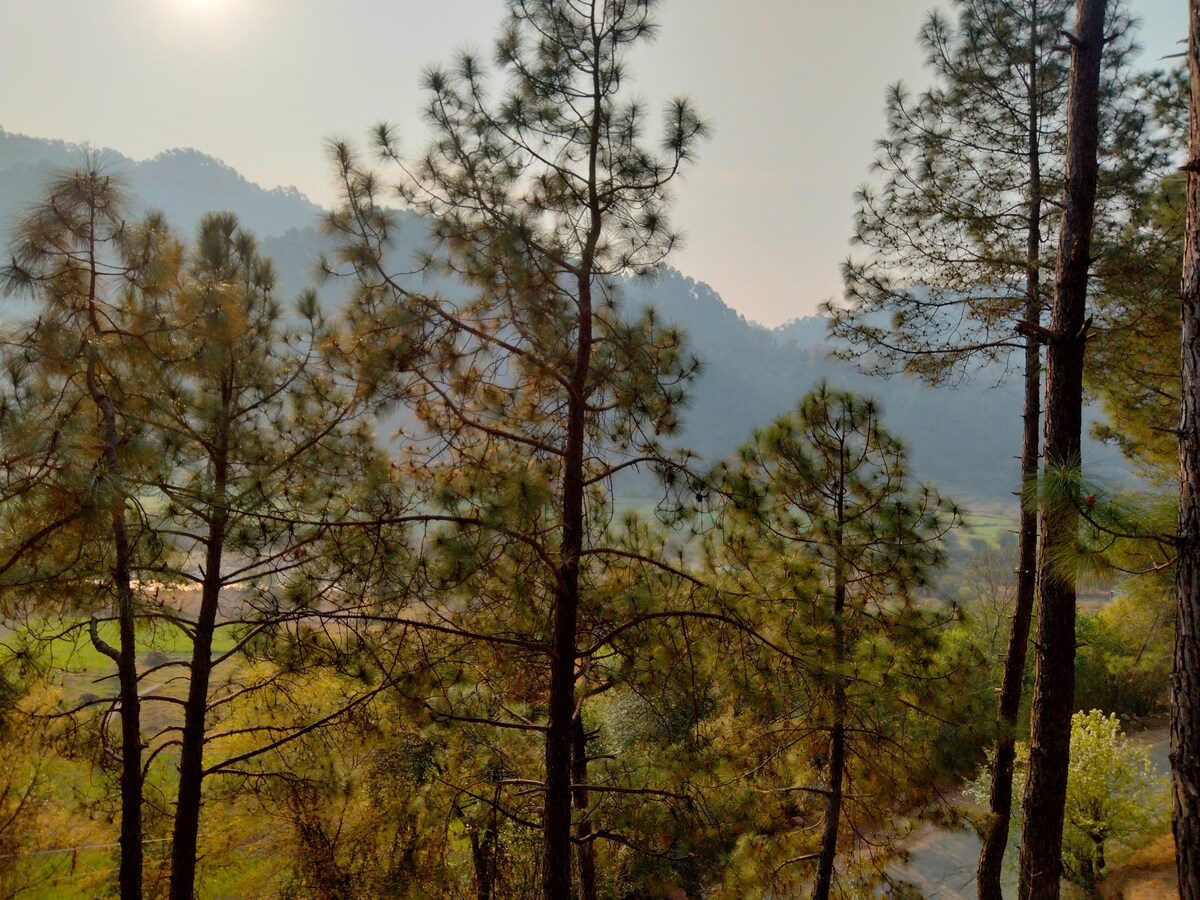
x,y
533,391
73,457
1185,676
957,244
1054,661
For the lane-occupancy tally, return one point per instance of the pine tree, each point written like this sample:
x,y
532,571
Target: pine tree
x,y
222,454
957,242
828,543
533,391
72,455
260,455
1054,661
1185,676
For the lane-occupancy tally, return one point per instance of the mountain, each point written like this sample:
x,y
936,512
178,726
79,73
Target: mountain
x,y
182,184
802,332
965,438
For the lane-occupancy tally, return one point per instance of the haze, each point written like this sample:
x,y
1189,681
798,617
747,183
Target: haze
x,y
794,90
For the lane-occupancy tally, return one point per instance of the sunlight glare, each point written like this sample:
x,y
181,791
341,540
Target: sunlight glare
x,y
202,8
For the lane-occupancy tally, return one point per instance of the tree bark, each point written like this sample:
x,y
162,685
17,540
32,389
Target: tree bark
x,y
1185,676
833,803
560,730
837,733
195,713
1054,680
483,856
583,827
129,877
995,837
556,816
130,874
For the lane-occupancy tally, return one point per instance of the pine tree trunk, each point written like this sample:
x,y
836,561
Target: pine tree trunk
x,y
833,803
195,711
583,828
560,727
556,816
1185,678
837,733
995,837
191,762
129,877
1054,680
130,874
483,857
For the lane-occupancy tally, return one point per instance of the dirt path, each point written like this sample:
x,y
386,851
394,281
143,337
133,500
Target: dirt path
x,y
1148,875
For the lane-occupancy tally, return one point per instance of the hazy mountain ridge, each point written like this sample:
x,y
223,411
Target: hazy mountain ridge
x,y
803,331
182,183
965,438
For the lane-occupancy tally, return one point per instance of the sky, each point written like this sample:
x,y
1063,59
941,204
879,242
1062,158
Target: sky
x,y
793,89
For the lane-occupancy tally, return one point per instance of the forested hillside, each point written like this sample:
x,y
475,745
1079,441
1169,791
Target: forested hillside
x,y
184,184
959,436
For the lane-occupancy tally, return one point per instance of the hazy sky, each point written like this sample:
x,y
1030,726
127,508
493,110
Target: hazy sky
x,y
794,90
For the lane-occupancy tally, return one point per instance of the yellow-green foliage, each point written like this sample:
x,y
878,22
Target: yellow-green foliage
x,y
1123,663
1115,796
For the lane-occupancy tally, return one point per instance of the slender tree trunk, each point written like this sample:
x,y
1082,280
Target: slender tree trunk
x,y
560,731
125,656
583,825
837,733
1185,676
995,837
833,802
483,856
1098,862
560,728
1054,681
556,816
129,877
191,762
484,846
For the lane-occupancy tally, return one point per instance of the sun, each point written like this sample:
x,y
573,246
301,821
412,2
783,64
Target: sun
x,y
208,25
202,8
